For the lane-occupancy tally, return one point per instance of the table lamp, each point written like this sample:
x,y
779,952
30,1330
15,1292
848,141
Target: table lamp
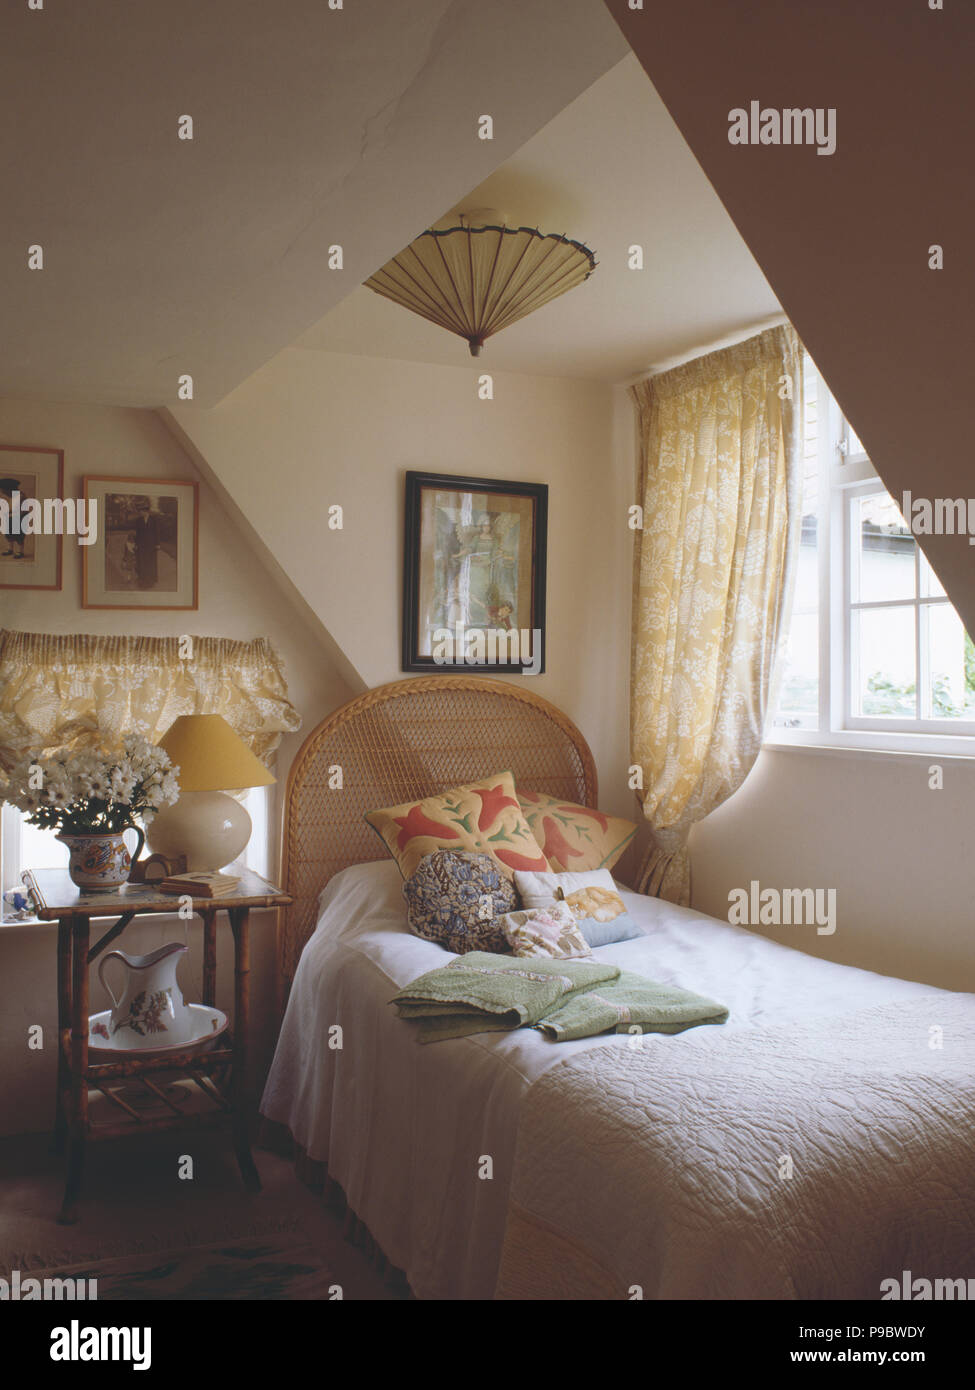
x,y
206,824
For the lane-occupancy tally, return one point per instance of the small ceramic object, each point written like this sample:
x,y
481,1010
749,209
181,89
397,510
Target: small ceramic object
x,y
18,906
100,863
150,1011
207,1023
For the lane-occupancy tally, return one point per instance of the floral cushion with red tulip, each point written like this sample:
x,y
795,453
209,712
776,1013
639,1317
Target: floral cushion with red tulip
x,y
575,838
484,817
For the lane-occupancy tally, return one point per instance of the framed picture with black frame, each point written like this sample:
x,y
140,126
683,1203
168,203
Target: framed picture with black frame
x,y
474,574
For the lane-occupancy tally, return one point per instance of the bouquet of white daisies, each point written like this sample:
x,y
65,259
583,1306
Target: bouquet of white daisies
x,y
93,791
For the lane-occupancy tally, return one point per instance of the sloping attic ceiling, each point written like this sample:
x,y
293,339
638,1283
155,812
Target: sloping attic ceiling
x,y
843,239
613,170
312,126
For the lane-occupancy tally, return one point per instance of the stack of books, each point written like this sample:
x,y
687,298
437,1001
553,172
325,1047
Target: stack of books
x,y
200,885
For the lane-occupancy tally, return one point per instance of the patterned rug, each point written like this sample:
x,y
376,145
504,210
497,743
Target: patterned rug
x,y
281,1267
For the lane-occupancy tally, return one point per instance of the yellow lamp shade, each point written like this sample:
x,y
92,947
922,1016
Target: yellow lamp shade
x,y
210,756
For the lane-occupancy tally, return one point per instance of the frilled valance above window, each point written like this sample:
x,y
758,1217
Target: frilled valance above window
x,y
75,689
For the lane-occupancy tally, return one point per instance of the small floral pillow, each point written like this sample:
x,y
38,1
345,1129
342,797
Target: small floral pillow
x,y
545,931
456,898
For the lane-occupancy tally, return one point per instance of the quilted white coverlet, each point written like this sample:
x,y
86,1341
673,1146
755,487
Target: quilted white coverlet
x,y
404,1128
770,1163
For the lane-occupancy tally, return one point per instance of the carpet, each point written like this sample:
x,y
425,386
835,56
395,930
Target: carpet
x,y
278,1268
136,1208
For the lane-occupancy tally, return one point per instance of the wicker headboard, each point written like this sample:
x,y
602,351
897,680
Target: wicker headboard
x,y
403,741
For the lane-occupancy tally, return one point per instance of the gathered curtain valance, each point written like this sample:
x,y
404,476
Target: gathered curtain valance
x,y
73,690
721,494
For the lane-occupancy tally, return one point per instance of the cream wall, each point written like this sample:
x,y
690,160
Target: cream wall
x,y
898,854
314,429
238,598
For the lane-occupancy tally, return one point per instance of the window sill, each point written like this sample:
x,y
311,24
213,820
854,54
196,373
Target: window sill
x,y
857,744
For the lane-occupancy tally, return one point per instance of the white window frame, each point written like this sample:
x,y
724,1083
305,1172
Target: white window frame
x,y
844,473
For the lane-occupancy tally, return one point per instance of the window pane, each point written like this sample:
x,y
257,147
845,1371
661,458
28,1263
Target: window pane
x,y
931,586
883,561
854,444
41,849
799,693
256,855
951,664
884,653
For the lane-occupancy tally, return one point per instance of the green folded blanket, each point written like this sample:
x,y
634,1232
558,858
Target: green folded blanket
x,y
631,1003
482,992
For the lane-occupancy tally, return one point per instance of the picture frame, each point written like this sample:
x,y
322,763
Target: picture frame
x,y
474,568
147,552
29,561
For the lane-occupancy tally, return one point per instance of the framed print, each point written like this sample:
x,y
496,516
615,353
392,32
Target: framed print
x,y
474,574
146,554
30,549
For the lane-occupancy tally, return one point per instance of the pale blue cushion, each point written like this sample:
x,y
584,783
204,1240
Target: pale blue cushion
x,y
621,928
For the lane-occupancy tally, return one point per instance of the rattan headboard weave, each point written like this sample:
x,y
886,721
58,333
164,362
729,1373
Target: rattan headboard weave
x,y
398,743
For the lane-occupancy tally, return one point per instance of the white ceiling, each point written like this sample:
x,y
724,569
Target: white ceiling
x,y
312,126
611,170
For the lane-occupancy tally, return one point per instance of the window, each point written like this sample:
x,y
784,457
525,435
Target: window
x,y
24,846
117,681
876,655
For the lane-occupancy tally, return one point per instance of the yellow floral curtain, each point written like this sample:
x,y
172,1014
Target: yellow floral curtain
x,y
713,577
76,689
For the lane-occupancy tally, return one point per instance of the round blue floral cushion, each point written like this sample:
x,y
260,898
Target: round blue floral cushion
x,y
455,896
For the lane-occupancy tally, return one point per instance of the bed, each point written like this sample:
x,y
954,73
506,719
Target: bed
x,y
812,1147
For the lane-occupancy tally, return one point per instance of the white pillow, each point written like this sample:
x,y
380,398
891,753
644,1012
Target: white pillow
x,y
541,889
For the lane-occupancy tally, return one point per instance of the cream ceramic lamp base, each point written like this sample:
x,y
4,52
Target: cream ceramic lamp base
x,y
210,828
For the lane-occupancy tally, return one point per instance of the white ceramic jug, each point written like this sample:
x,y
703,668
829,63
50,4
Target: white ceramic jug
x,y
150,1011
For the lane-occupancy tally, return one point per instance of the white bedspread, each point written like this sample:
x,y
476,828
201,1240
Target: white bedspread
x,y
809,1162
406,1128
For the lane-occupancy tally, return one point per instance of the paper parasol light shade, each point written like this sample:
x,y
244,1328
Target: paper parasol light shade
x,y
474,281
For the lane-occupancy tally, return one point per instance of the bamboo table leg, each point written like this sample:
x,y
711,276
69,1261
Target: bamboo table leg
x,y
240,925
78,1098
64,1033
209,915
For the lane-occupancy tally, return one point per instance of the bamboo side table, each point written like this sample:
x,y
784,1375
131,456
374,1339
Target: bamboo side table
x,y
74,909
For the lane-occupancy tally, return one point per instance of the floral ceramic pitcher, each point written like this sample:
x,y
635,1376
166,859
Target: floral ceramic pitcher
x,y
100,862
150,1011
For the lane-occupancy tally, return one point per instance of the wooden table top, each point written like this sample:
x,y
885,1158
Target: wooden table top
x,y
61,898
